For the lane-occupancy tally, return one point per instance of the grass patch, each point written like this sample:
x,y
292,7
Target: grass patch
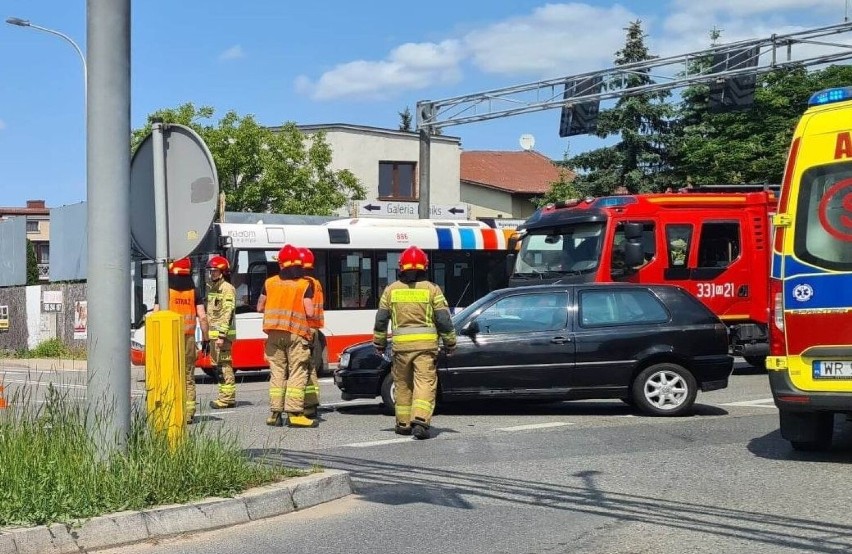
x,y
51,471
51,348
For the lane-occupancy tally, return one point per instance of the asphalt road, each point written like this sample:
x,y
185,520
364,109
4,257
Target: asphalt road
x,y
588,476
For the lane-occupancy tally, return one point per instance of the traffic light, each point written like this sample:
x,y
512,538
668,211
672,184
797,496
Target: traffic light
x,y
733,93
580,118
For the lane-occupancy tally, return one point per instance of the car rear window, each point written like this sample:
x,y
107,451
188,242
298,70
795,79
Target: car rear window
x,y
620,307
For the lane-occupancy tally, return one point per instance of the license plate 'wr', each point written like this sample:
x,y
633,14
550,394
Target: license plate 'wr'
x,y
834,369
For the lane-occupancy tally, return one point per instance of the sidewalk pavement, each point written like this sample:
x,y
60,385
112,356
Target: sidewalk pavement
x,y
159,522
42,364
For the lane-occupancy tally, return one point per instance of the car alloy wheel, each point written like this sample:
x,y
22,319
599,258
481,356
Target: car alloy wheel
x,y
388,391
665,389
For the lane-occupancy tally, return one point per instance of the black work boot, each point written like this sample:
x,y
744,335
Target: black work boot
x,y
420,430
402,429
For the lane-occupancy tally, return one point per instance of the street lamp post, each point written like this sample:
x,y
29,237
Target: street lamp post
x,y
17,21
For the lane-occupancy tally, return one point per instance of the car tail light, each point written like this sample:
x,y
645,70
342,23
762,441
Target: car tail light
x,y
777,338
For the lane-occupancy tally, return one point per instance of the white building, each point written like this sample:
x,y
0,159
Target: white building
x,y
385,161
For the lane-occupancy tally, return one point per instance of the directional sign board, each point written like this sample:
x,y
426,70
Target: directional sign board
x,y
448,211
380,208
410,210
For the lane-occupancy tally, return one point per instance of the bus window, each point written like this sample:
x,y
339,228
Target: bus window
x,y
489,272
320,271
388,270
719,244
250,266
255,278
452,270
351,276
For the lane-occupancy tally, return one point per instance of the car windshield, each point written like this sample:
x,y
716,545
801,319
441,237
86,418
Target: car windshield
x,y
572,249
465,313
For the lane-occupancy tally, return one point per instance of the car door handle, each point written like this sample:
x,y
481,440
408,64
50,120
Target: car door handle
x,y
560,340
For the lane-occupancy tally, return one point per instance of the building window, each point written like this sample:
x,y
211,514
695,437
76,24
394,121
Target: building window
x,y
32,226
43,253
397,181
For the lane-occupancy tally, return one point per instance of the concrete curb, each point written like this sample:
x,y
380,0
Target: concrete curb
x,y
163,521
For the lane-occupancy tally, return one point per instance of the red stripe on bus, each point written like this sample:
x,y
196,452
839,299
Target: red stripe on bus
x,y
249,354
489,239
336,344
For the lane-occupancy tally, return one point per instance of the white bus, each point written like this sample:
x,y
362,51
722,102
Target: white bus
x,y
354,260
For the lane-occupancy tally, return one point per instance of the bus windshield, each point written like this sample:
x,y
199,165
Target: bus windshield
x,y
824,238
571,249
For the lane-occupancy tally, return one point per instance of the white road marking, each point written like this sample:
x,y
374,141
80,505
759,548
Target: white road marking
x,y
327,380
378,443
362,402
217,412
760,403
136,393
535,426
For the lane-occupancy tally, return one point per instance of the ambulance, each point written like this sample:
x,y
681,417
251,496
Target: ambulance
x,y
810,342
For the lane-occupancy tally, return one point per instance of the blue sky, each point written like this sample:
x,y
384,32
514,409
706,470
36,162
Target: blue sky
x,y
335,61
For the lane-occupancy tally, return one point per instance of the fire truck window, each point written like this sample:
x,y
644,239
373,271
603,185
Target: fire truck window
x,y
678,241
649,247
719,245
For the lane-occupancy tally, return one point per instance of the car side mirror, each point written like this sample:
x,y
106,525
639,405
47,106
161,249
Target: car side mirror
x,y
633,231
633,254
470,329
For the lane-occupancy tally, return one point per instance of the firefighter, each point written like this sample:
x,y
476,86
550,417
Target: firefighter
x,y
316,322
221,300
418,315
286,303
186,301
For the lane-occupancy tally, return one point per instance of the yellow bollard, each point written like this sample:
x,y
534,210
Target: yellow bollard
x,y
164,375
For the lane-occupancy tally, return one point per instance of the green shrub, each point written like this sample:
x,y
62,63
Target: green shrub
x,y
51,348
52,472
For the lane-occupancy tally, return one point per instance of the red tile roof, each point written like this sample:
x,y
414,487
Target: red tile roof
x,y
24,211
34,207
524,171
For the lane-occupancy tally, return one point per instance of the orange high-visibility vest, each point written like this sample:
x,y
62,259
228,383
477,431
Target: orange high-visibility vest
x,y
317,321
182,302
285,306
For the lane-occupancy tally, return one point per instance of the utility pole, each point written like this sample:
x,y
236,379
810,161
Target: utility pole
x,y
108,191
425,162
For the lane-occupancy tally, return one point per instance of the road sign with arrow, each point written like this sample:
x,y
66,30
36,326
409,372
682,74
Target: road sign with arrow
x,y
448,211
381,208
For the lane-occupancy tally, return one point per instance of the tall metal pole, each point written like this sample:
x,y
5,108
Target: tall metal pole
x,y
425,165
161,218
108,188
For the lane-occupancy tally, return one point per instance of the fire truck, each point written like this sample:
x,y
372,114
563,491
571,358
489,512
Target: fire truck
x,y
712,241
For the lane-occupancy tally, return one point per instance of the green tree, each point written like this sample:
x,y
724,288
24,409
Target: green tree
x,y
748,147
642,121
32,264
261,170
405,120
565,188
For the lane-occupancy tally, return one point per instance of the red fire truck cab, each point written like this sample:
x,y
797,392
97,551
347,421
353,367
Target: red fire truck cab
x,y
713,244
